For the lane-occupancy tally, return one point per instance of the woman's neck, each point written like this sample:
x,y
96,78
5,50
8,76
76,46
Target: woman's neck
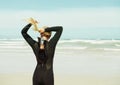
x,y
42,46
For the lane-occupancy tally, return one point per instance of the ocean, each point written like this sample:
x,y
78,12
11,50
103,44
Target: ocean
x,y
72,52
102,33
96,45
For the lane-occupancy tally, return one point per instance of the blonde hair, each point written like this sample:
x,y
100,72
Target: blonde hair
x,y
35,27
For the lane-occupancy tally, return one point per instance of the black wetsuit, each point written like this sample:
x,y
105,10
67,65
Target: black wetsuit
x,y
43,74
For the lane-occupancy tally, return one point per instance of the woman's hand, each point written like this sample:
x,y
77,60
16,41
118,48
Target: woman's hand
x,y
32,21
42,30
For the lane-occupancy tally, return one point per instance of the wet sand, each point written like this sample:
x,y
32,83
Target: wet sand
x,y
26,79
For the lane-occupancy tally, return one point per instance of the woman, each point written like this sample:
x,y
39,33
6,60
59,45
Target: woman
x,y
44,51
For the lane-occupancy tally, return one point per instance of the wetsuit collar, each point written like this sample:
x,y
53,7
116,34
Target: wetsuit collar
x,y
39,40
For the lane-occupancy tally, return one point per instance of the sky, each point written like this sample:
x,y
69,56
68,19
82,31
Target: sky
x,y
55,4
73,15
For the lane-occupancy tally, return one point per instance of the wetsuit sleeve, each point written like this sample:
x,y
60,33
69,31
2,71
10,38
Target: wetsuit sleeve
x,y
55,38
26,36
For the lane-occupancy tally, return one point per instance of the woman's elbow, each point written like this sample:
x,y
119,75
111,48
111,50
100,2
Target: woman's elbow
x,y
61,28
22,32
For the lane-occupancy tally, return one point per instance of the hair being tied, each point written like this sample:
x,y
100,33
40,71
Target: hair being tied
x,y
34,23
35,28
